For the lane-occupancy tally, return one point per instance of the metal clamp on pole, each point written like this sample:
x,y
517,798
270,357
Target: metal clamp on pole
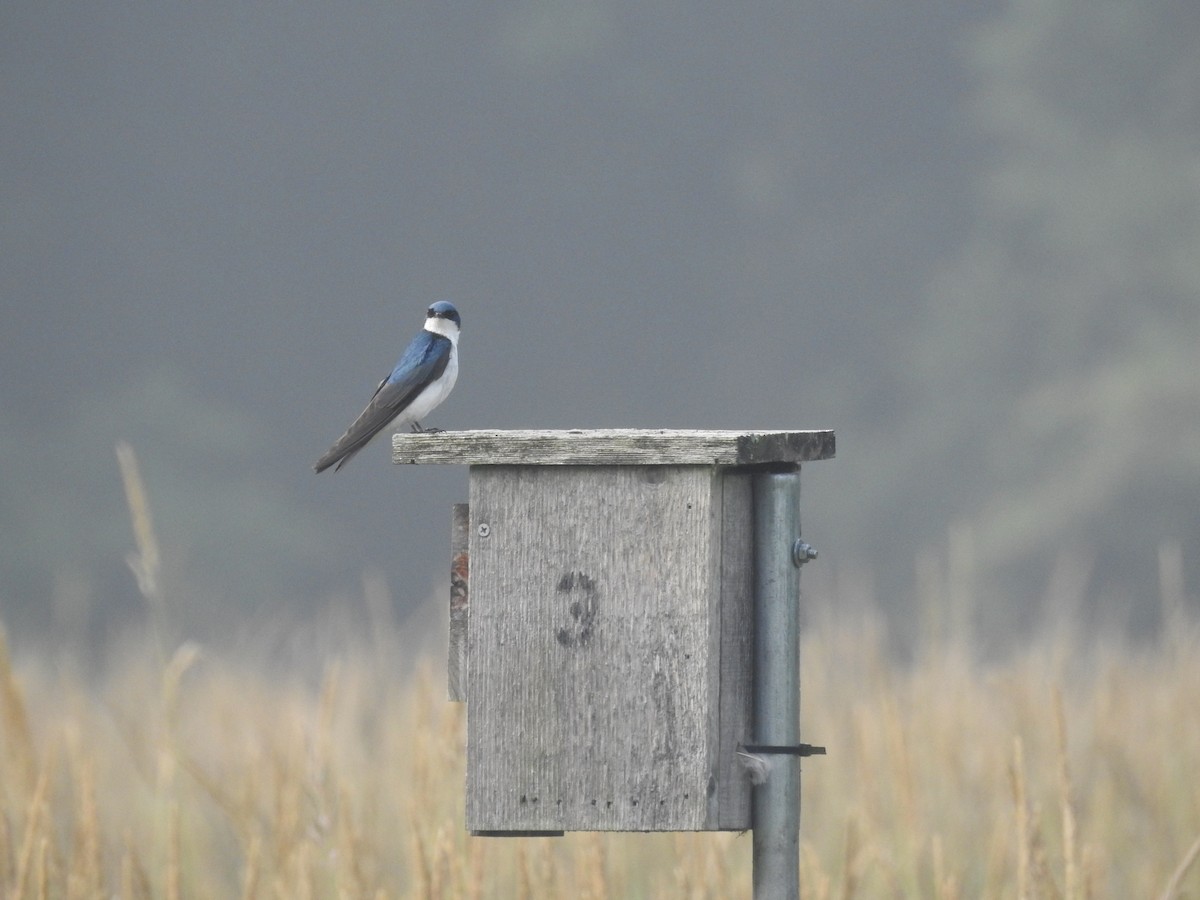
x,y
771,749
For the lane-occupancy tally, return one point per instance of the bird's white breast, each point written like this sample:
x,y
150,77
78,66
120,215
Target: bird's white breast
x,y
437,391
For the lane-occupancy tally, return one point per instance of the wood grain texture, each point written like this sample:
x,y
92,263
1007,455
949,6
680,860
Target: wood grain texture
x,y
594,688
736,621
460,598
613,446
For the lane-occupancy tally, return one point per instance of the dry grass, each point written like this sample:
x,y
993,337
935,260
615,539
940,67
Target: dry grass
x,y
1066,772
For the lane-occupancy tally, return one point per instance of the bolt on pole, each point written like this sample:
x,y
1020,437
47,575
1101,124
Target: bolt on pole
x,y
776,802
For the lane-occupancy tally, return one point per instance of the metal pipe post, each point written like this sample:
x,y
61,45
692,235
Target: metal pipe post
x,y
777,682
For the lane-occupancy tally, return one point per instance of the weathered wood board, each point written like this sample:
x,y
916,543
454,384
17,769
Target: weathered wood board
x,y
737,646
456,651
613,446
609,646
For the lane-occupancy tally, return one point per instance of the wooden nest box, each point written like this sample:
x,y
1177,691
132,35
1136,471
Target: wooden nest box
x,y
603,640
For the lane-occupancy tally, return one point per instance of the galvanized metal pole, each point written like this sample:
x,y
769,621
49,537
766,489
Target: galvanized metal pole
x,y
777,682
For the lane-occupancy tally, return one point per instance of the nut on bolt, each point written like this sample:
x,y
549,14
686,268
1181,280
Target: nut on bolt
x,y
802,552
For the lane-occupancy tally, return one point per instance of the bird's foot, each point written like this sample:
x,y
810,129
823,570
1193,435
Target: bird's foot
x,y
417,429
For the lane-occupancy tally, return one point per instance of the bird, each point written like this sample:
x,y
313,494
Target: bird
x,y
421,380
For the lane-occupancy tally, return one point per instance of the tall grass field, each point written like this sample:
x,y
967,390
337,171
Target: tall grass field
x,y
1069,769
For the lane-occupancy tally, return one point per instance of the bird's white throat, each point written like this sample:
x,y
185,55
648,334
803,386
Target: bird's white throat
x,y
444,327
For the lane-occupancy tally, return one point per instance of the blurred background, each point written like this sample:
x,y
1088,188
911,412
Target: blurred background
x,y
964,236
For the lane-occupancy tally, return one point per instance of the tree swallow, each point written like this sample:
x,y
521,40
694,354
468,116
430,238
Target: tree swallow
x,y
421,380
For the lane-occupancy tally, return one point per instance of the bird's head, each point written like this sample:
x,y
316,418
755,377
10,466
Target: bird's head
x,y
442,318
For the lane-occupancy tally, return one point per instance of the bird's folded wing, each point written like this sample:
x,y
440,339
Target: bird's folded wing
x,y
391,397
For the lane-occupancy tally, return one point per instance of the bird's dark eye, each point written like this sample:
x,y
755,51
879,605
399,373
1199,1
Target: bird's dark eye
x,y
430,313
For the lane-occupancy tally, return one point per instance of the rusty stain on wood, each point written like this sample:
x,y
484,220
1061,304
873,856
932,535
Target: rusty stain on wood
x,y
460,599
